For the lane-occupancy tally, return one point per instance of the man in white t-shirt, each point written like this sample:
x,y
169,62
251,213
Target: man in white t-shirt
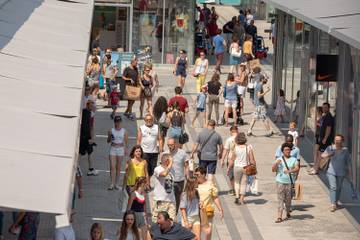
x,y
149,139
227,154
164,196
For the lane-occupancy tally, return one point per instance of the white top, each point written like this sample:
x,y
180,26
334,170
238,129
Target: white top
x,y
164,186
242,157
201,65
117,136
295,135
149,137
230,145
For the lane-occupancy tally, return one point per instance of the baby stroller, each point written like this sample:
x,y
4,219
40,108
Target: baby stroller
x,y
259,48
200,43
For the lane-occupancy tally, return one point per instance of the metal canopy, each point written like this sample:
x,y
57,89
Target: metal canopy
x,y
43,49
339,18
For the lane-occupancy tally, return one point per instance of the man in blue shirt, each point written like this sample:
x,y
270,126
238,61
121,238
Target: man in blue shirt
x,y
260,109
220,45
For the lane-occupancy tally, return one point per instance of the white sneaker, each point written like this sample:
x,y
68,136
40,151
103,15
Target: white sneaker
x,y
93,172
111,187
117,187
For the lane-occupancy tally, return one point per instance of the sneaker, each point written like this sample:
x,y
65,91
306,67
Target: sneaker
x,y
232,192
92,172
111,187
249,134
237,201
117,187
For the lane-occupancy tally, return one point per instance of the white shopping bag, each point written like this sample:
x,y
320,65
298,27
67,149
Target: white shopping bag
x,y
123,200
252,185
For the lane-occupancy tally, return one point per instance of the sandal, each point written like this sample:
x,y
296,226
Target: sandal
x,y
279,220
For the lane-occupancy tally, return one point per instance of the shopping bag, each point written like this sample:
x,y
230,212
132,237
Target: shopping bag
x,y
254,63
298,191
132,92
252,185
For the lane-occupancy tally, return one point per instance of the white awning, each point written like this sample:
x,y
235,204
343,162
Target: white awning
x,y
43,51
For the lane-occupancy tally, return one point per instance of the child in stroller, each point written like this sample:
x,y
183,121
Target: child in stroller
x,y
259,48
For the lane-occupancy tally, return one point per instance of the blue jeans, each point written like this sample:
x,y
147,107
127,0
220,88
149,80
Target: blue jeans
x,y
174,132
335,184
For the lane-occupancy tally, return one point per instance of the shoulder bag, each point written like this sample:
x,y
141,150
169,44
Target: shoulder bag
x,y
203,145
235,53
291,179
325,161
250,169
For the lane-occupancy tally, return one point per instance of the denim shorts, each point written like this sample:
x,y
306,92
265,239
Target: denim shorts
x,y
209,165
174,132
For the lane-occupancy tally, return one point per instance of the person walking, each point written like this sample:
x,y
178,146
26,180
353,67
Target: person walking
x,y
136,167
228,29
285,167
180,167
177,121
242,156
242,82
118,139
209,148
214,90
235,55
239,32
28,223
220,46
147,85
164,196
114,100
180,68
129,229
96,232
131,78
230,95
137,203
180,100
109,71
248,49
208,195
148,138
280,106
326,135
251,29
227,153
189,207
92,76
200,70
200,105
161,119
339,168
260,109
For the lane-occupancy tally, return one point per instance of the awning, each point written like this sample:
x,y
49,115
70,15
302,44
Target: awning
x,y
339,18
43,51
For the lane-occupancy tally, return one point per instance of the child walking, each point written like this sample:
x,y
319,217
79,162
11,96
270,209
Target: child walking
x,y
114,100
280,106
201,105
292,131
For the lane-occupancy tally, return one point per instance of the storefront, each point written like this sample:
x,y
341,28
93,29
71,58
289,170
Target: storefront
x,y
298,46
166,26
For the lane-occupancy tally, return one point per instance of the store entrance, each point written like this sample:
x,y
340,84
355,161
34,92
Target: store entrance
x,y
113,24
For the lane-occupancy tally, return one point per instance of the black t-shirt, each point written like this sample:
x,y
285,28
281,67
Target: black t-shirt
x,y
326,121
131,73
213,88
251,30
85,124
230,25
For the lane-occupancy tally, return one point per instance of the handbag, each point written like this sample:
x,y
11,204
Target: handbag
x,y
298,191
293,193
235,53
210,211
325,161
132,92
250,169
184,138
203,145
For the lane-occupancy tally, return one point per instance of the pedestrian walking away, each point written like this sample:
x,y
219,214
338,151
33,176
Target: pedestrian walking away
x,y
208,147
242,156
230,96
149,138
235,55
180,167
214,91
260,109
161,119
118,139
227,155
200,105
177,121
164,196
180,100
339,167
285,167
220,46
180,68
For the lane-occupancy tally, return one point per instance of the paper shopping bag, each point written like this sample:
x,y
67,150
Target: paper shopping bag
x,y
132,92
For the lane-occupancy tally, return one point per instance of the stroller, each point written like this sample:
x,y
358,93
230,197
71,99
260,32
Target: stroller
x,y
259,48
200,43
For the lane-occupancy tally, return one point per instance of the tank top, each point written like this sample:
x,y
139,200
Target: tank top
x,y
134,171
231,92
176,119
117,136
242,157
138,202
200,68
213,88
94,74
146,83
182,63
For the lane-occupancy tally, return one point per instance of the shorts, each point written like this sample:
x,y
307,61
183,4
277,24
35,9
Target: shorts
x,y
260,113
230,103
140,219
200,109
209,165
117,151
181,72
193,220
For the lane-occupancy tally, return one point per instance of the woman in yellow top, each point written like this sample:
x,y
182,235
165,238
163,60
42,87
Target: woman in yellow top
x,y
135,167
248,48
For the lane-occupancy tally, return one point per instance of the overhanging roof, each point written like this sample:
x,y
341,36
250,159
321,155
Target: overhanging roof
x,y
43,49
340,18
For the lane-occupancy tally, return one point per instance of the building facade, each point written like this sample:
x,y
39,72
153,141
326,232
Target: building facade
x,y
298,45
166,26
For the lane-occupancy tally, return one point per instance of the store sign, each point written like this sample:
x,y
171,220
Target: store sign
x,y
327,68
